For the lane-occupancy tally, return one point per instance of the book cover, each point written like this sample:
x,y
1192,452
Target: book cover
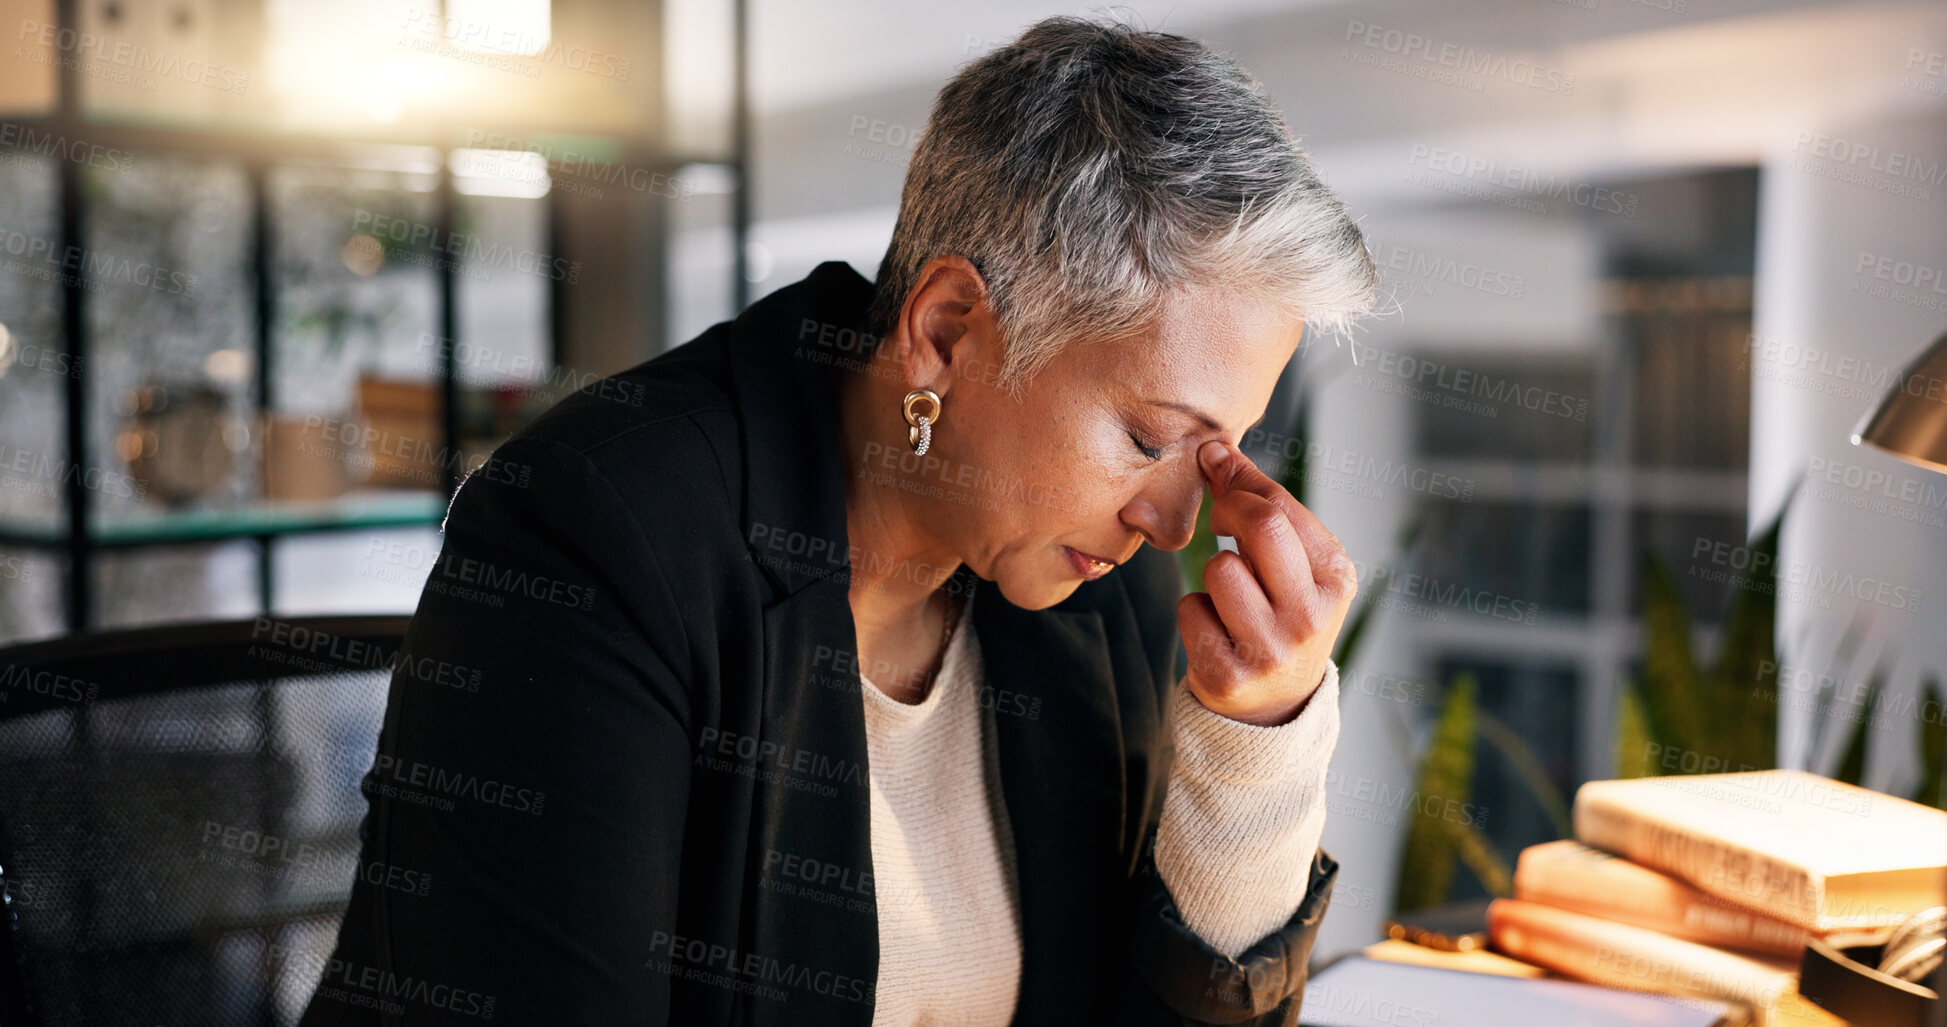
x,y
1638,959
1811,851
1573,876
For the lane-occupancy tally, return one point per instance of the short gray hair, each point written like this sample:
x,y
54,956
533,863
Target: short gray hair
x,y
1089,169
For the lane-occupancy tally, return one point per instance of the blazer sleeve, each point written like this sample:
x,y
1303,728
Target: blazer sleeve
x,y
1172,977
1263,986
544,806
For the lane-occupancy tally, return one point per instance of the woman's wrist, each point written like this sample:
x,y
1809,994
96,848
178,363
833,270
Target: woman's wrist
x,y
1238,752
1244,813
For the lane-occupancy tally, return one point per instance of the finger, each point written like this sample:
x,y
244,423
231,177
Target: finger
x,y
1242,605
1205,641
1269,543
1230,471
1331,566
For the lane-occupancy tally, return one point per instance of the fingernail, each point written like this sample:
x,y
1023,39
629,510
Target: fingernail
x,y
1214,454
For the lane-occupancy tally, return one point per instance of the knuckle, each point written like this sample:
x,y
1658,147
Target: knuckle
x,y
1225,566
1267,520
1341,569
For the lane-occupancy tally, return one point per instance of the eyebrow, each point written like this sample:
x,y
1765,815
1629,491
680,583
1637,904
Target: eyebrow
x,y
1208,421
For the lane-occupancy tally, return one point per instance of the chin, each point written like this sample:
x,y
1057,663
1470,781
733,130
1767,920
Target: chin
x,y
1037,593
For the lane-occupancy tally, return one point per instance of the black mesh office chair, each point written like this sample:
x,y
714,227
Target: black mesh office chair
x,y
179,811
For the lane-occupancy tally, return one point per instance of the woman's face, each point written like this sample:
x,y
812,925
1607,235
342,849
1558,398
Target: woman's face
x,y
1100,454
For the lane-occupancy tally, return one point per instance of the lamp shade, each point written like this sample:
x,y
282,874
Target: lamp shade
x,y
1910,420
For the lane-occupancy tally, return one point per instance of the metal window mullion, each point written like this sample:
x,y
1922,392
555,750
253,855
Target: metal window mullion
x,y
261,265
446,217
74,334
740,156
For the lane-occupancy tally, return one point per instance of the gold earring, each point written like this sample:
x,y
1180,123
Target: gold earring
x,y
920,434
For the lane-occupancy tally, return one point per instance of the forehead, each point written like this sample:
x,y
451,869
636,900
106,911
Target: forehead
x,y
1215,344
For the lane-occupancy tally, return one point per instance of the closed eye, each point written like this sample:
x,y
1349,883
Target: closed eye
x,y
1148,451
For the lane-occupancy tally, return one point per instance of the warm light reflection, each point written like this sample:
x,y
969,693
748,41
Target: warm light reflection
x,y
518,27
518,173
227,366
352,64
363,255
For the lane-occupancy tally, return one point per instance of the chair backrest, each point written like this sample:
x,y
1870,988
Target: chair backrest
x,y
179,816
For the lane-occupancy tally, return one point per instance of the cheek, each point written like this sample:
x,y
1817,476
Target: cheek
x,y
1096,479
1064,468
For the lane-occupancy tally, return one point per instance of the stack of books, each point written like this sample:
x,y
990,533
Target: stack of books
x,y
1710,886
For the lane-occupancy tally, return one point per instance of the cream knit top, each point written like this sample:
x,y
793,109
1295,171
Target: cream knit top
x,y
1241,820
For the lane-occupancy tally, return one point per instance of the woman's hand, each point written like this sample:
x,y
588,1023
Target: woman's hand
x,y
1260,638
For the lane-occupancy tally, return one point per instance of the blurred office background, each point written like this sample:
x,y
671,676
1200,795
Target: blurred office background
x,y
274,272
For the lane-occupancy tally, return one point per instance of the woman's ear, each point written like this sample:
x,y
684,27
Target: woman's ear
x,y
945,321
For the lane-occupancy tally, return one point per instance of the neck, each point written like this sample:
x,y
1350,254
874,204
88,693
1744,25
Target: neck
x,y
897,566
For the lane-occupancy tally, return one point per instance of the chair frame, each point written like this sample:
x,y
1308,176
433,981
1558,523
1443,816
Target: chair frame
x,y
142,662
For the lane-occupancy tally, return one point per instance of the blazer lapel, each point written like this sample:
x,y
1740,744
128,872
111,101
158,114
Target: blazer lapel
x,y
809,899
1051,703
812,807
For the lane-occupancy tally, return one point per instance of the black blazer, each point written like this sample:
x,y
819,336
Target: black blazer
x,y
623,765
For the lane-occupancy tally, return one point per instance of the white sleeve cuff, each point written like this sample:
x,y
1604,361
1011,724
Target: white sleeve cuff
x,y
1243,815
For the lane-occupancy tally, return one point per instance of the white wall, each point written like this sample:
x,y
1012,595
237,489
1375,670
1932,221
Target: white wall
x,y
1834,233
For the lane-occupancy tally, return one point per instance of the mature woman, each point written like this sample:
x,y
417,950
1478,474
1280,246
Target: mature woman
x,y
827,677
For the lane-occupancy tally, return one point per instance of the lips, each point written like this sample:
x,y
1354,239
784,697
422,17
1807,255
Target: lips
x,y
1088,565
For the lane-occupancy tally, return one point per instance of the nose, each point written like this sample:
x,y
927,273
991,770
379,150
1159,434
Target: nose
x,y
1167,515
